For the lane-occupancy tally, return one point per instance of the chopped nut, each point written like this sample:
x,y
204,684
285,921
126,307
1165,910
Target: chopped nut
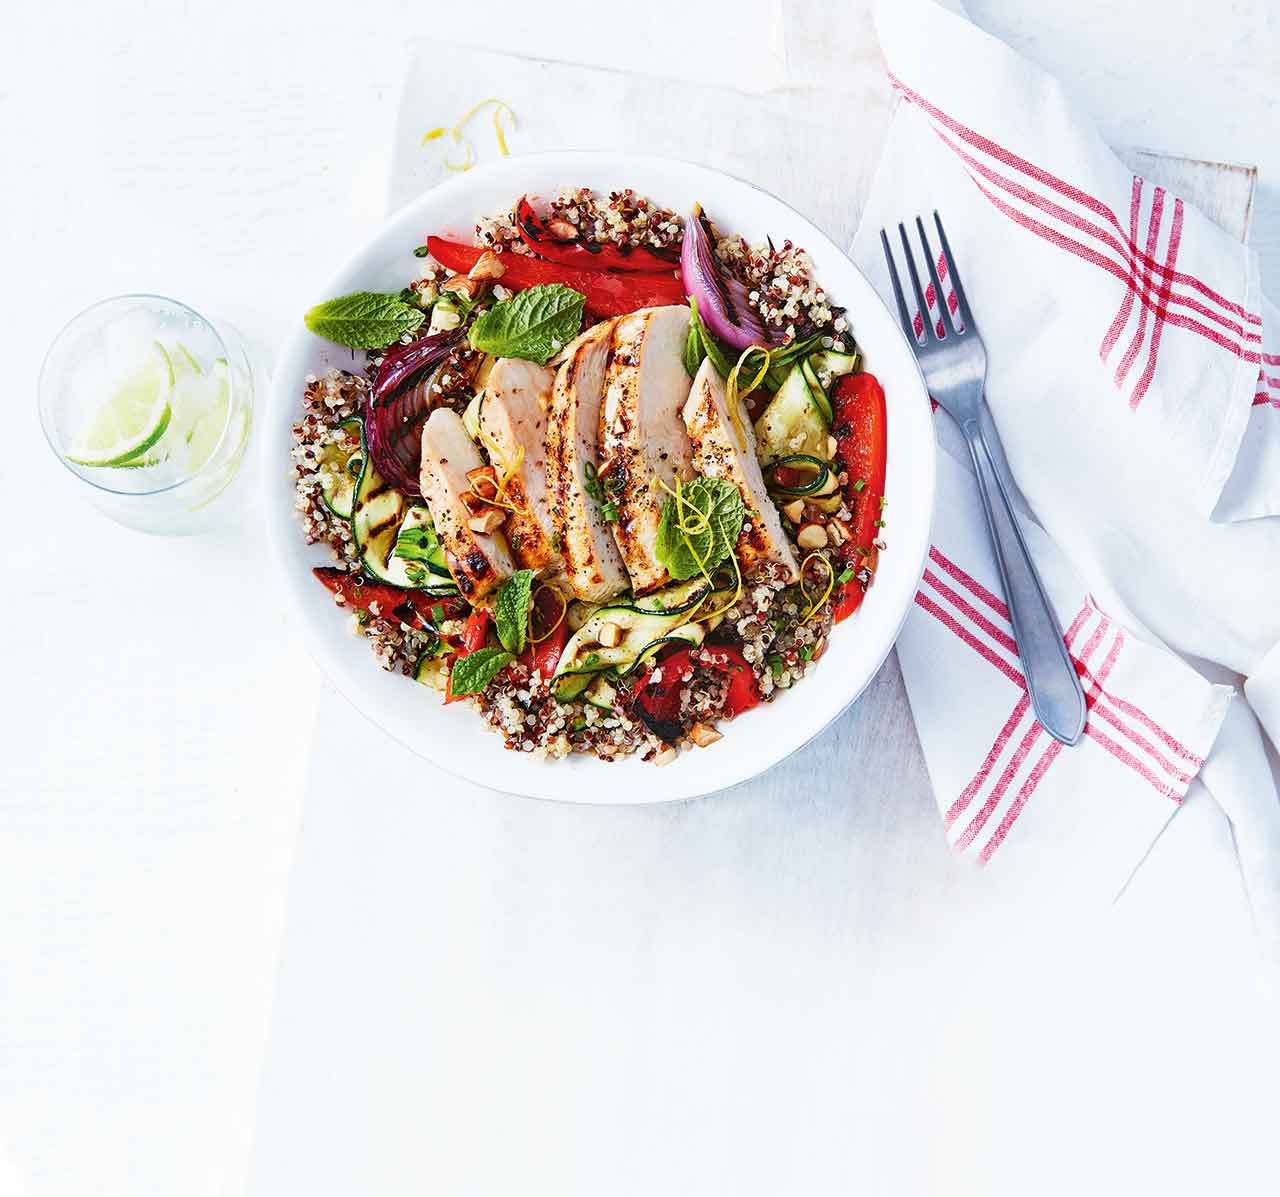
x,y
562,230
488,267
703,734
665,757
610,635
837,533
794,511
484,483
488,521
832,446
812,536
460,284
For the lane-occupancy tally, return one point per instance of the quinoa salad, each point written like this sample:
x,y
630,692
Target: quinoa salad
x,y
607,473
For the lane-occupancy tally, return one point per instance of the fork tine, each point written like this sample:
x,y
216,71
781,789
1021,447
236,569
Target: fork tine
x,y
925,318
937,282
954,271
903,314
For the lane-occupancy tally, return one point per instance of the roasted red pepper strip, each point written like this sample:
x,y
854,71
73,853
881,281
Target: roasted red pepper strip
x,y
606,294
581,256
544,655
360,595
474,633
743,692
859,425
659,705
475,630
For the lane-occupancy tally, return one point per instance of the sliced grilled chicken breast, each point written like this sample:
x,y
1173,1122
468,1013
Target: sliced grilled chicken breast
x,y
719,452
644,446
592,563
479,562
513,423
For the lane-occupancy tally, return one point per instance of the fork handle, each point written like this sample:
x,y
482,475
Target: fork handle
x,y
1052,683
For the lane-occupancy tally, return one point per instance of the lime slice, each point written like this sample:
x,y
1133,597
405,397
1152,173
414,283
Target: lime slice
x,y
133,419
208,417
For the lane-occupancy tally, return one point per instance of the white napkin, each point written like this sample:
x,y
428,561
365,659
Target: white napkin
x,y
1130,385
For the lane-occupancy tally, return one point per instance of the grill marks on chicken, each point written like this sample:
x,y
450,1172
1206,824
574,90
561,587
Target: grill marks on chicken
x,y
720,451
644,446
479,562
591,561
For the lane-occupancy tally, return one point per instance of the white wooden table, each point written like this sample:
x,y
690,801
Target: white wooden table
x,y
788,986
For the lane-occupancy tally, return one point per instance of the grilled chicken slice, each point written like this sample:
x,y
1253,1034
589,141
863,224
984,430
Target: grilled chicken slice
x,y
719,452
479,562
592,563
513,424
644,447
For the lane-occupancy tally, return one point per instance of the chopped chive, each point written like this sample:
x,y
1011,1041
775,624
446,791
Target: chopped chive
x,y
845,575
806,652
610,511
363,617
879,523
883,502
420,251
775,665
437,612
859,486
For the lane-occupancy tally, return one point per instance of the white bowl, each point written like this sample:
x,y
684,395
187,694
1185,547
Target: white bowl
x,y
454,737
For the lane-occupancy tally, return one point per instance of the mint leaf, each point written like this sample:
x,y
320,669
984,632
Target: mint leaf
x,y
363,320
511,610
534,324
697,531
476,670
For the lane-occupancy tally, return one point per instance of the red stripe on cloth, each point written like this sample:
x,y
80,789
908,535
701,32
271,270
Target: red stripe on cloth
x,y
1127,758
1023,704
1068,190
1153,235
1262,399
1141,283
1050,754
1175,239
958,807
1100,709
1126,308
1001,638
983,650
1139,716
979,821
1089,255
1038,770
974,587
1272,359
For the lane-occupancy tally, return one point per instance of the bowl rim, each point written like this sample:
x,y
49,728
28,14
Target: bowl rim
x,y
285,390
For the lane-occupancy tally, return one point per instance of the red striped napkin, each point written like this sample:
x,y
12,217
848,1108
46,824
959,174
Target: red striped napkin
x,y
1137,392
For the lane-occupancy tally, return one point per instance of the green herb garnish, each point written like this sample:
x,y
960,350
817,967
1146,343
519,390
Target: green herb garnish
x,y
363,617
363,320
845,575
775,666
700,343
534,324
609,510
474,672
511,610
420,251
859,486
699,526
805,652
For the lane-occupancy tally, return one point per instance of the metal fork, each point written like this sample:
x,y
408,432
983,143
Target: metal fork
x,y
955,369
